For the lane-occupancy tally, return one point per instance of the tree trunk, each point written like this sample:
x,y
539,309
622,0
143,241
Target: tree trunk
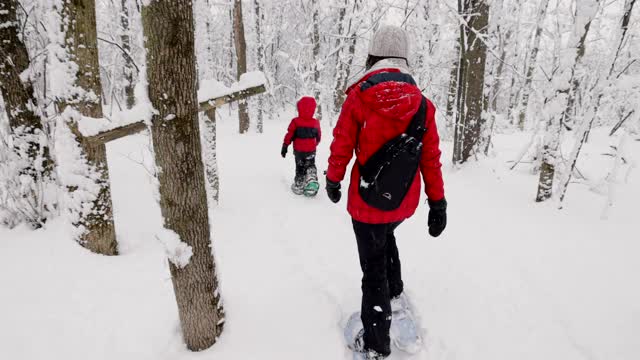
x,y
560,99
259,20
241,56
171,71
315,40
592,114
128,69
453,86
81,35
211,158
533,56
567,116
337,94
471,100
345,68
20,101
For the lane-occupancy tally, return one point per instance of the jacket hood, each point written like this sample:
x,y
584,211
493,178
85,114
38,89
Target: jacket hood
x,y
306,107
392,99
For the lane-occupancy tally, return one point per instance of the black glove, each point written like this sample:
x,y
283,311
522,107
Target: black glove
x,y
437,217
283,152
333,191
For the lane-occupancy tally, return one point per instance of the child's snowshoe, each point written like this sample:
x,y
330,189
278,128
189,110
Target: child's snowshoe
x,y
298,186
311,186
311,189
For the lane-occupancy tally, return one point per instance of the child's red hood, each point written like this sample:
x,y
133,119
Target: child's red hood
x,y
306,107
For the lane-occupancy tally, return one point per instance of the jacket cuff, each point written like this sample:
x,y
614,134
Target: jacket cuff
x,y
438,204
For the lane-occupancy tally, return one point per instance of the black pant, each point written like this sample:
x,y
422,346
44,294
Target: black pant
x,y
381,281
305,165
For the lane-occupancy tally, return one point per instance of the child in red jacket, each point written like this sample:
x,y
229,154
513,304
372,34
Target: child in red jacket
x,y
304,131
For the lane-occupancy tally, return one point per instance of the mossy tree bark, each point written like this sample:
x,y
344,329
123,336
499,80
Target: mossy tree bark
x,y
171,72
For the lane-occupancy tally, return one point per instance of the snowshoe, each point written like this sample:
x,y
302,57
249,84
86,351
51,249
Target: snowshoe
x,y
359,352
352,329
311,189
354,337
404,331
298,186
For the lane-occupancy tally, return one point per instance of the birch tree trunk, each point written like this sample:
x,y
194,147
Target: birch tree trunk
x,y
337,98
533,56
20,102
241,66
81,38
260,59
210,157
315,39
344,68
171,63
471,78
561,99
128,69
592,114
453,86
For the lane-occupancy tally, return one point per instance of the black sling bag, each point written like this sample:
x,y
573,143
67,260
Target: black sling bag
x,y
388,174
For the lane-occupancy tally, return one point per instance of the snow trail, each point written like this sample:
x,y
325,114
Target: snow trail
x,y
508,279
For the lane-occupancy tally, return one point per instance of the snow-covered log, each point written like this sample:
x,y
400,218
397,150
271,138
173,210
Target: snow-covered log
x,y
97,131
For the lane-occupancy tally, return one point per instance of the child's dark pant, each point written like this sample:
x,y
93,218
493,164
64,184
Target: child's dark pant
x,y
381,281
305,165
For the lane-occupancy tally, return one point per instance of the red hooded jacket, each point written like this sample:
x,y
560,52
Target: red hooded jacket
x,y
370,118
304,131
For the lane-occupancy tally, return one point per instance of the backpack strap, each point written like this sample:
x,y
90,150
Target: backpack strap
x,y
387,76
417,127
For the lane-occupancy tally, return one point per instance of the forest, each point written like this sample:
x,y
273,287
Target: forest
x,y
145,211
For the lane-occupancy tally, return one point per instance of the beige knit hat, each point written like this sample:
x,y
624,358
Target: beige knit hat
x,y
389,41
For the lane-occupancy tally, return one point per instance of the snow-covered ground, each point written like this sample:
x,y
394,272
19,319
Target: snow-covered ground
x,y
509,278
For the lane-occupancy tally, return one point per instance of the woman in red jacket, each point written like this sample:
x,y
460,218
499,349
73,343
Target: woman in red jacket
x,y
304,131
378,108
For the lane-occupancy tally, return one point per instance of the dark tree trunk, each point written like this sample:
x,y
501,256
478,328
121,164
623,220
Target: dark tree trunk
x,y
171,71
241,56
469,119
81,35
20,101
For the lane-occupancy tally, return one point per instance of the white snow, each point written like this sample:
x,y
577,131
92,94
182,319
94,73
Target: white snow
x,y
508,279
211,89
178,252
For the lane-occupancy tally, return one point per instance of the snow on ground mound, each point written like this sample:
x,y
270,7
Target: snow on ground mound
x,y
509,278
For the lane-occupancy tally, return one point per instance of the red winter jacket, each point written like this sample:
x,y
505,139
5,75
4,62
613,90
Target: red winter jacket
x,y
304,130
370,117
